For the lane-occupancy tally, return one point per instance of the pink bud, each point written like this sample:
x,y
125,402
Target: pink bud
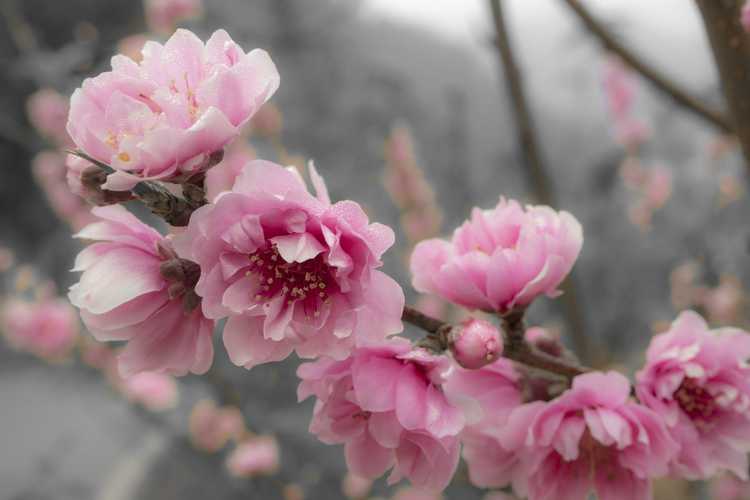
x,y
545,340
476,344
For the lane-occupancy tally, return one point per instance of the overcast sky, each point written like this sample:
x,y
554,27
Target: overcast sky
x,y
667,32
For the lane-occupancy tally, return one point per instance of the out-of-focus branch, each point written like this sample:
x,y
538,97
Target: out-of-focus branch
x,y
731,48
515,348
20,31
541,185
658,79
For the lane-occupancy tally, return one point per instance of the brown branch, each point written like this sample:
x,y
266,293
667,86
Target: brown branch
x,y
174,210
539,177
731,49
515,347
657,79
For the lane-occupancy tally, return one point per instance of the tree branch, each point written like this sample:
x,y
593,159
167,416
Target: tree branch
x,y
540,183
174,210
731,48
658,79
515,347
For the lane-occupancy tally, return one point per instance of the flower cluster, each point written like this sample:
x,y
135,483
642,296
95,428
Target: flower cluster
x,y
162,118
291,271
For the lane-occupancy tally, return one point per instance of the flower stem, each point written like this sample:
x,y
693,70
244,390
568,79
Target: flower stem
x,y
515,348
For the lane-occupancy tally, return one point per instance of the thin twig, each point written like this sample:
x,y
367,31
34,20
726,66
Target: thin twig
x,y
731,49
658,79
174,210
515,347
540,183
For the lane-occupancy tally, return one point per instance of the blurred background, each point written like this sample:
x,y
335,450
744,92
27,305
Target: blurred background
x,y
371,90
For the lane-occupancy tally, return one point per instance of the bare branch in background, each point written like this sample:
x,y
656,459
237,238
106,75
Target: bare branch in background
x,y
731,48
540,182
658,79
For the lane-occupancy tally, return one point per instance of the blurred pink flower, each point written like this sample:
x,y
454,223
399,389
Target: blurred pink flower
x,y
501,259
682,281
697,380
728,487
745,16
355,487
257,455
133,288
165,117
385,405
47,328
724,303
620,89
546,340
412,493
593,438
268,121
154,391
292,271
658,187
132,46
163,15
211,427
47,110
475,343
49,172
221,177
405,182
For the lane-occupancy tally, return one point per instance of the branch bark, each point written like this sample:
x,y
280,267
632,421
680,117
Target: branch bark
x,y
657,79
540,181
515,347
731,48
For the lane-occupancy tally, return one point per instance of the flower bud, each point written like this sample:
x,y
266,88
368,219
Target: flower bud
x,y
545,340
475,343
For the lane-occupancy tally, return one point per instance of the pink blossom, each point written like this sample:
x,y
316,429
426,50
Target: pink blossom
x,y
658,187
211,427
501,259
698,380
354,486
155,391
411,493
48,111
385,404
131,290
475,343
47,328
745,16
164,117
49,172
728,487
593,438
724,303
221,177
7,259
257,455
292,271
496,392
620,92
163,15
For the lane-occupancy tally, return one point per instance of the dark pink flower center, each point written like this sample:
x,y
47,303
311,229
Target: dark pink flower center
x,y
310,282
695,401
